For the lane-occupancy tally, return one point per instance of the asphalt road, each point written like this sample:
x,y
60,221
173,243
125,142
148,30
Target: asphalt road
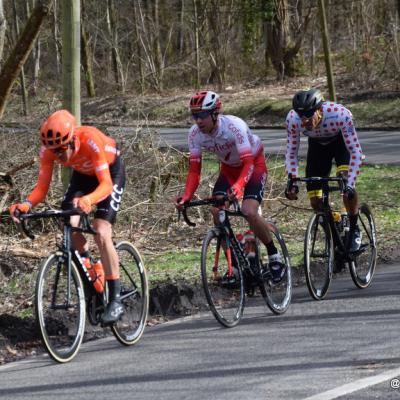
x,y
379,147
344,347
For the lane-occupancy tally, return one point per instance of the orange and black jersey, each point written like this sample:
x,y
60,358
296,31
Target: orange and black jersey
x,y
94,153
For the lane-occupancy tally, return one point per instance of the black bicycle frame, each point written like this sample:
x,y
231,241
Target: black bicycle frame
x,y
224,226
66,249
326,208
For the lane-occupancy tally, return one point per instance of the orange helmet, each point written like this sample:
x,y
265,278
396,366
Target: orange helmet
x,y
57,130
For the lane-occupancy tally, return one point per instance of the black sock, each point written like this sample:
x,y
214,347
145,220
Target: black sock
x,y
353,221
271,249
114,286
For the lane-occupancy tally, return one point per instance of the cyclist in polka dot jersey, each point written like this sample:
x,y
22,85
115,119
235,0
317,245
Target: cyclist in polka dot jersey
x,y
331,135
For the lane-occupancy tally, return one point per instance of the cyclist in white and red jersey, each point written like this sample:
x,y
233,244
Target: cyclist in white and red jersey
x,y
243,172
331,135
98,178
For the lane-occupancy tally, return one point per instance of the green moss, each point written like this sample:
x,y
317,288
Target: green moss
x,y
376,112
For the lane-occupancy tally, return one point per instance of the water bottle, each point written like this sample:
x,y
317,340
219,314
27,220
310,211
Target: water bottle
x,y
96,273
250,248
337,217
99,275
345,222
250,244
240,239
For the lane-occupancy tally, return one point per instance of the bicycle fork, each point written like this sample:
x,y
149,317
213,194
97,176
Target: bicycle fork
x,y
228,254
64,258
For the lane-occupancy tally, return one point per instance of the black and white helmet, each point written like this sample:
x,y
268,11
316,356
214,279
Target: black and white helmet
x,y
306,102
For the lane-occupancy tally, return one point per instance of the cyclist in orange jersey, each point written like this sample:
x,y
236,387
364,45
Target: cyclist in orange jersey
x,y
98,179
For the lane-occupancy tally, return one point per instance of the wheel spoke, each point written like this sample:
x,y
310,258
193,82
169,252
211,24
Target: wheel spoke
x,y
61,314
223,286
318,256
277,296
134,295
363,267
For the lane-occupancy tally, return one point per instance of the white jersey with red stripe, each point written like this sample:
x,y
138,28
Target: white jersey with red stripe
x,y
231,142
336,120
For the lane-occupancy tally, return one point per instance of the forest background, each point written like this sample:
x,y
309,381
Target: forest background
x,y
141,61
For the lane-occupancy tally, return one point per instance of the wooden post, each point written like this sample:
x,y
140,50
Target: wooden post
x,y
325,41
71,63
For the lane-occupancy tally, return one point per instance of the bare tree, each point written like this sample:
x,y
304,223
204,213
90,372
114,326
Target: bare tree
x,y
151,41
3,26
221,18
280,48
56,38
115,57
24,93
138,46
35,63
20,53
196,44
86,55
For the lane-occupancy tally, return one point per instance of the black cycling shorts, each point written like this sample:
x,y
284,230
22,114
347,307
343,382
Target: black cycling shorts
x,y
82,184
254,188
319,160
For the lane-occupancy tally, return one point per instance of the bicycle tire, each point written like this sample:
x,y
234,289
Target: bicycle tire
x,y
318,256
61,329
134,295
226,300
277,296
362,269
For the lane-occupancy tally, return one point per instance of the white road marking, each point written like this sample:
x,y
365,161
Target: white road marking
x,y
356,385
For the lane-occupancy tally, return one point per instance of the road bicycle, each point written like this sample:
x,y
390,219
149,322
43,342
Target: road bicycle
x,y
228,272
326,238
65,293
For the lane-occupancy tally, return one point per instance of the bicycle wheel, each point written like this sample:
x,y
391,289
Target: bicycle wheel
x,y
276,295
363,267
134,295
318,256
61,318
224,296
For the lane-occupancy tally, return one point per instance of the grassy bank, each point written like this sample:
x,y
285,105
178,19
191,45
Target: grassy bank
x,y
379,186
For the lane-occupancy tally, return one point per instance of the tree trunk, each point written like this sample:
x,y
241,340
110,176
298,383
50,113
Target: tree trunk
x,y
281,50
327,52
24,93
181,34
35,59
398,8
115,58
196,44
35,68
157,48
86,55
56,37
138,47
20,53
3,26
71,63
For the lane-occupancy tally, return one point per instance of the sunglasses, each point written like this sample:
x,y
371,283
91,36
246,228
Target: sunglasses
x,y
60,150
306,114
200,115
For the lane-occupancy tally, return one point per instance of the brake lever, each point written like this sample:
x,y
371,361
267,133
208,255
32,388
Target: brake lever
x,y
23,226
